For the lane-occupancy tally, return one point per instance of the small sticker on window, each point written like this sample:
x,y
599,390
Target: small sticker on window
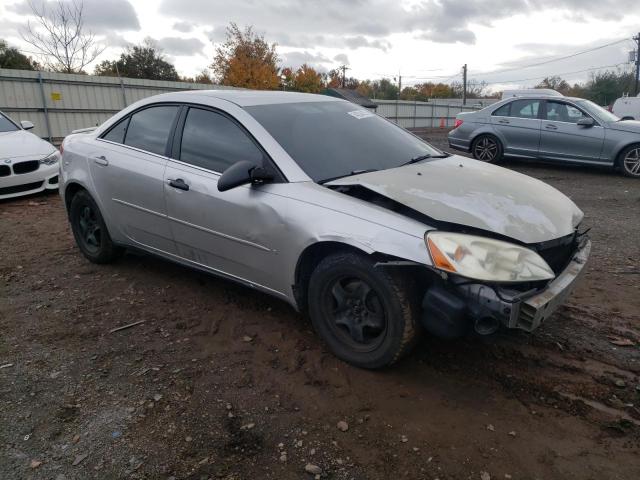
x,y
360,114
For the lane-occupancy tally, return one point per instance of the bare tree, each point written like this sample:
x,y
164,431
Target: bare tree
x,y
58,35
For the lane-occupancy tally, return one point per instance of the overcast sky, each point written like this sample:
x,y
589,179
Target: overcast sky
x,y
421,39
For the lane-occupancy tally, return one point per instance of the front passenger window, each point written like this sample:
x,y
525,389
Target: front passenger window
x,y
215,142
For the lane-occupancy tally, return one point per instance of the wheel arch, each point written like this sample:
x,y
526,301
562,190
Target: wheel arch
x,y
71,189
313,254
485,131
617,158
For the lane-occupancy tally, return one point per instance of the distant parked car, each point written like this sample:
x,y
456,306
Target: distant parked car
x,y
627,108
28,164
330,207
562,129
530,92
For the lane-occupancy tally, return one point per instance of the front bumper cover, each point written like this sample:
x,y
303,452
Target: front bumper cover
x,y
453,308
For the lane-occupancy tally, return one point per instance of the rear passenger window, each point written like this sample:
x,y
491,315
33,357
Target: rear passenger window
x,y
525,108
214,142
116,134
503,111
149,129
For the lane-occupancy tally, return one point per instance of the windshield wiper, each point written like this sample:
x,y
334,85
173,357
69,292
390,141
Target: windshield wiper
x,y
426,156
353,172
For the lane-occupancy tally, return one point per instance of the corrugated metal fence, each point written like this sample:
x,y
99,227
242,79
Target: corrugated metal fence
x,y
58,103
434,114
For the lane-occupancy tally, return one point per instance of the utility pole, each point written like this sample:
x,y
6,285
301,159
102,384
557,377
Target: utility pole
x,y
344,69
464,84
637,39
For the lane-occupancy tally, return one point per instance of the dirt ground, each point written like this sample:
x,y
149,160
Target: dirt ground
x,y
223,382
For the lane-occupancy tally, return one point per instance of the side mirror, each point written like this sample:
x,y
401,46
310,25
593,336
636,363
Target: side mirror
x,y
242,173
586,122
26,124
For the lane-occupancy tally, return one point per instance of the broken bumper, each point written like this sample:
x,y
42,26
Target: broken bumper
x,y
532,311
449,312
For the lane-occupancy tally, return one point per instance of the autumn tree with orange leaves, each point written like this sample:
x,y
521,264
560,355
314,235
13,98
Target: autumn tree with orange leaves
x,y
246,60
307,80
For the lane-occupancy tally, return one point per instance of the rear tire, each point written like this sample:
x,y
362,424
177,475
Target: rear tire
x,y
366,315
90,231
487,148
629,161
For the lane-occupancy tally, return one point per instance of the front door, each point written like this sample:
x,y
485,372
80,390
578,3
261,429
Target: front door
x,y
128,173
234,232
563,139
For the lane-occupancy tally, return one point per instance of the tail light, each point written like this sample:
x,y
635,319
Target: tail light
x,y
62,148
458,123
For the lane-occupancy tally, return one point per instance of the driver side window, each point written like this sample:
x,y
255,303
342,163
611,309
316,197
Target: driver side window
x,y
214,142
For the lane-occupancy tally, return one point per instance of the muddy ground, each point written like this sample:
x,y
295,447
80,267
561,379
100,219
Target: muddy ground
x,y
223,382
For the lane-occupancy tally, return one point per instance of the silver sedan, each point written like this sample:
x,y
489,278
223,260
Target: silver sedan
x,y
554,129
372,232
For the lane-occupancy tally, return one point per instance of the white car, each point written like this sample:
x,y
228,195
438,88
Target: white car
x,y
627,108
28,164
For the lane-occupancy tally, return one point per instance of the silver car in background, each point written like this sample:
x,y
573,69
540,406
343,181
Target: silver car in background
x,y
550,128
339,212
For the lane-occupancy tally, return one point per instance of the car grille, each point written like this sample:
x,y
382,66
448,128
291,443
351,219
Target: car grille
x,y
558,253
26,167
5,171
20,188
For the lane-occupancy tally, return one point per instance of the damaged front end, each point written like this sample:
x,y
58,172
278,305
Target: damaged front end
x,y
453,305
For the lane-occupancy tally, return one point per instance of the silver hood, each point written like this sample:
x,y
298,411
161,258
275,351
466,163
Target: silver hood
x,y
476,194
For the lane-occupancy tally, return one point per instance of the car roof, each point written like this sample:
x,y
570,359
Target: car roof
x,y
247,98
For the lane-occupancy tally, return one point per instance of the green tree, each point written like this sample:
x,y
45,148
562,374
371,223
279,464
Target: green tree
x,y
605,87
385,89
139,61
246,60
556,83
11,57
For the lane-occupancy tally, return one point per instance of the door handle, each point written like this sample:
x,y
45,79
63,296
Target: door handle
x,y
550,127
179,184
101,160
503,121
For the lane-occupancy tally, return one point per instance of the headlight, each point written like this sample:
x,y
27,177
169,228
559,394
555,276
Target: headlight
x,y
51,159
485,259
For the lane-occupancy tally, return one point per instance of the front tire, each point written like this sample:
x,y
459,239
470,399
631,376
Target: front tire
x,y
366,315
629,161
487,148
90,231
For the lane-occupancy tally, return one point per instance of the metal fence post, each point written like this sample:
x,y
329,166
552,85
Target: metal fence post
x,y
448,113
44,106
124,95
415,111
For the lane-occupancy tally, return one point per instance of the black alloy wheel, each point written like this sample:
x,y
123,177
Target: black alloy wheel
x,y
487,148
366,314
90,231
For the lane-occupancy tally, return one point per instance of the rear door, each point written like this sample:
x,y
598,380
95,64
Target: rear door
x,y
518,126
236,232
128,174
562,139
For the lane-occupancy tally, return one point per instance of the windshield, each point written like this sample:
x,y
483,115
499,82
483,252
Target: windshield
x,y
333,139
7,125
597,111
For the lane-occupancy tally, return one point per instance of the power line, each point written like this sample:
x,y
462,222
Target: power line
x,y
554,59
558,74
